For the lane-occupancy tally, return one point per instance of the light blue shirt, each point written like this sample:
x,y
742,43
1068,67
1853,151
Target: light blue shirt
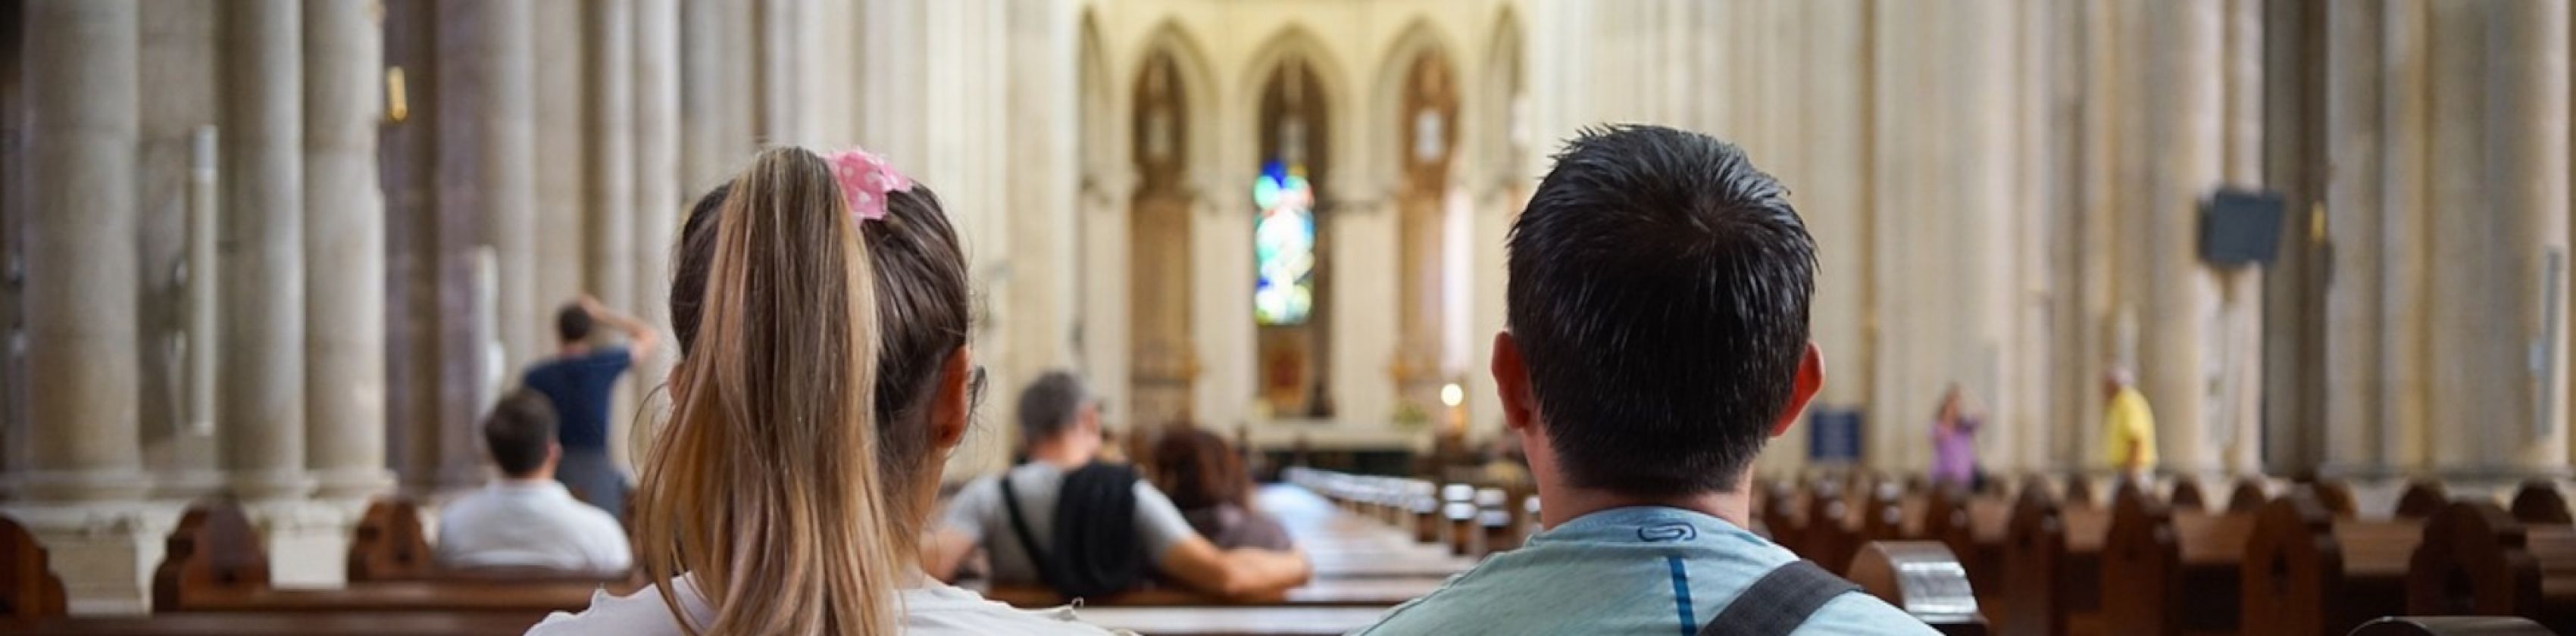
x,y
1648,571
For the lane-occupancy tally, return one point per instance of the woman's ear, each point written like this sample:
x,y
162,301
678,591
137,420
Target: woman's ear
x,y
952,403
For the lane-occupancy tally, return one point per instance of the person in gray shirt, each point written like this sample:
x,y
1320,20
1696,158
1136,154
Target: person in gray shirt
x,y
1061,422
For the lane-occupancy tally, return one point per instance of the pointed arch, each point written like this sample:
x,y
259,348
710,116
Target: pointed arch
x,y
1196,79
1419,43
1298,43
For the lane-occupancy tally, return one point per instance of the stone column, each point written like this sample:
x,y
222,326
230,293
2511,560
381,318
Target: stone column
x,y
2527,128
1980,50
2182,111
1106,213
261,406
1220,298
486,150
344,389
83,465
2353,366
562,157
777,59
2236,407
2475,338
703,143
660,203
83,96
609,260
1365,309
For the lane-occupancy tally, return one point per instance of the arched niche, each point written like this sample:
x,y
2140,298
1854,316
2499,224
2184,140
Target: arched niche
x,y
1291,200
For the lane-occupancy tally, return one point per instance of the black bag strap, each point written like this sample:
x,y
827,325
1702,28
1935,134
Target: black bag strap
x,y
1020,527
1779,602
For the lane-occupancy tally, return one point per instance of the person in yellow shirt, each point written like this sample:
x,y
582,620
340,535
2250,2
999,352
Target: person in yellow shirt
x,y
2129,435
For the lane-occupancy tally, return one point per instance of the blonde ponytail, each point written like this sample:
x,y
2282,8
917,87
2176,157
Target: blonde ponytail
x,y
766,486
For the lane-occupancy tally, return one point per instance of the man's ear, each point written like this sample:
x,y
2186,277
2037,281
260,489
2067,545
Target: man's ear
x,y
1511,383
952,403
1811,378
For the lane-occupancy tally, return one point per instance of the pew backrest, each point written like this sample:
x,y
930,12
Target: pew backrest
x,y
2452,626
28,587
1922,578
2538,501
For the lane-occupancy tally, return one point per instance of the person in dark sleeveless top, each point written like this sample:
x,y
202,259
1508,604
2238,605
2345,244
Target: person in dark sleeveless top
x,y
579,380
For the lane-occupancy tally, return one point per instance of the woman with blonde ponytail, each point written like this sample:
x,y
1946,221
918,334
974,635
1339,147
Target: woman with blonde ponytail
x,y
821,307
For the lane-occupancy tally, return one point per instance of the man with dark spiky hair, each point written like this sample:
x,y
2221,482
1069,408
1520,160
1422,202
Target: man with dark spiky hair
x,y
1657,312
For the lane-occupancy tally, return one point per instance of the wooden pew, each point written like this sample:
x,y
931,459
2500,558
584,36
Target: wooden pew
x,y
1894,514
2422,499
2168,571
1974,528
1923,579
1781,509
2186,495
1831,531
2538,502
2475,559
1321,592
2248,495
303,623
28,587
2452,626
2308,572
2053,567
214,563
2336,495
389,544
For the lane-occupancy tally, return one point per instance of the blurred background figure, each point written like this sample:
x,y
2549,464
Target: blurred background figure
x,y
1206,478
2128,426
1954,441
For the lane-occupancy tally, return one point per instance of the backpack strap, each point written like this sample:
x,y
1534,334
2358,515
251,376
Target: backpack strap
x,y
1778,603
1020,528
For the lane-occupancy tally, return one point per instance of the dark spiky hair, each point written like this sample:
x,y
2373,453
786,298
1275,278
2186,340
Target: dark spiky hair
x,y
1659,297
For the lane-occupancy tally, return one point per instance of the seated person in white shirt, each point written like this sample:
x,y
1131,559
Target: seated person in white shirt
x,y
526,519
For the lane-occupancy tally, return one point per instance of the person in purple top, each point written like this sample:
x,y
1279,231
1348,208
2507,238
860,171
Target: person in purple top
x,y
579,381
1954,440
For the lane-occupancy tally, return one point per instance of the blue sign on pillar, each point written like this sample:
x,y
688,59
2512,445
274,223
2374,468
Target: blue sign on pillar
x,y
1833,435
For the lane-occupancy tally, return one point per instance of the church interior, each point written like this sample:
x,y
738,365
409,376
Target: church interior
x,y
285,255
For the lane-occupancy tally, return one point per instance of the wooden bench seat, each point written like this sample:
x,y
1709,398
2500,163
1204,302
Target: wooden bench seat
x,y
28,587
2476,559
1379,592
1922,578
214,562
2053,567
302,623
2309,573
2168,571
1974,528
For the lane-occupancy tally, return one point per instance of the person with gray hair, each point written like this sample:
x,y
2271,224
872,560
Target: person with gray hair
x,y
1087,528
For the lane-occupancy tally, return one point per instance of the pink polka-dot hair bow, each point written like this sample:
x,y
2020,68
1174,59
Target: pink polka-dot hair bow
x,y
865,180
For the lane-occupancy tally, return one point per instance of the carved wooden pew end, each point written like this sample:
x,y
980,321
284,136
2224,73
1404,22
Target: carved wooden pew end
x,y
2452,626
1922,578
28,587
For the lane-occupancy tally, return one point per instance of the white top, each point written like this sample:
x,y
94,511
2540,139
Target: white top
x,y
977,513
931,609
531,523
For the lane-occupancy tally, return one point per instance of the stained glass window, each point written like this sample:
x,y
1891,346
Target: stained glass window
x,y
1283,246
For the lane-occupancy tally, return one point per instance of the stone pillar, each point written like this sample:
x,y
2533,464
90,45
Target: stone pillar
x,y
1365,309
2236,407
486,105
1979,50
660,203
2353,367
777,60
608,262
1039,226
2182,109
704,147
562,157
1221,308
261,405
2404,360
2526,120
344,389
1106,213
83,467
83,95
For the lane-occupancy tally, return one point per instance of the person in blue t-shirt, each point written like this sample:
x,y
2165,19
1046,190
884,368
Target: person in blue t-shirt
x,y
1656,336
579,381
